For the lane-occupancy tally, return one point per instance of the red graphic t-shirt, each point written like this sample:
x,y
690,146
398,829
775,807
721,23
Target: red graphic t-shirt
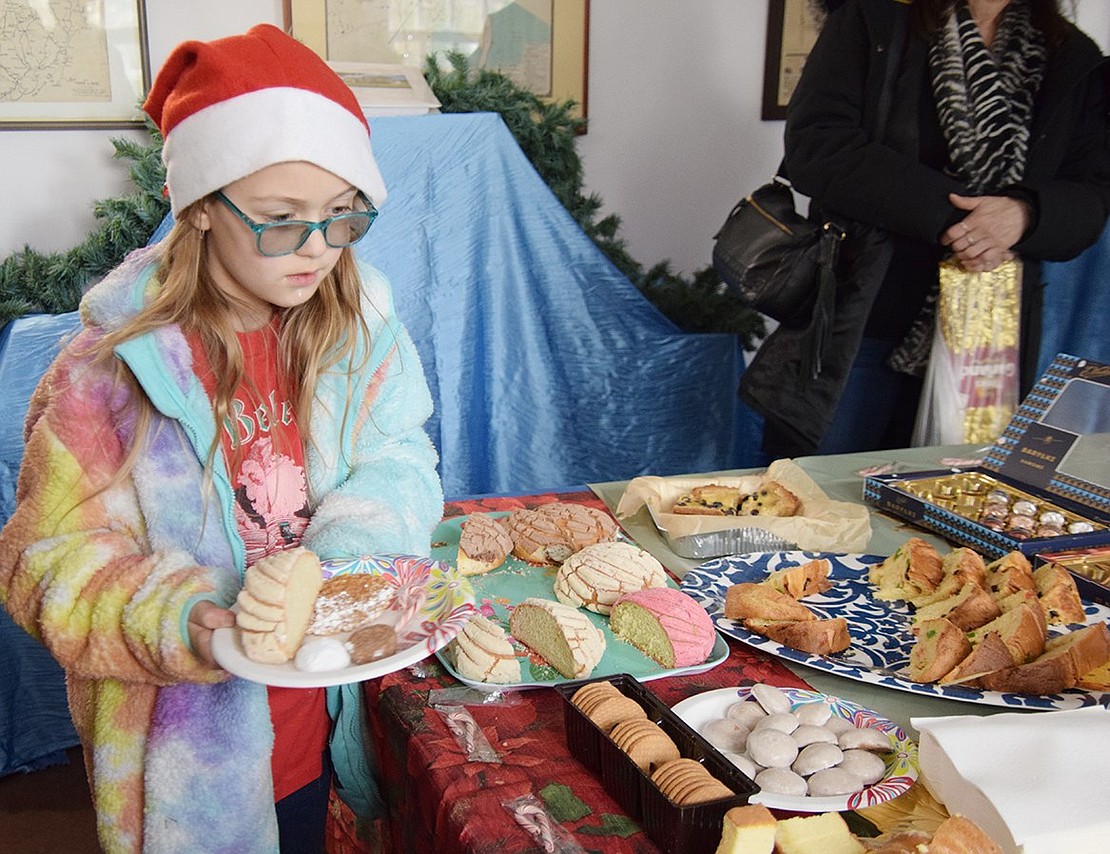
x,y
265,454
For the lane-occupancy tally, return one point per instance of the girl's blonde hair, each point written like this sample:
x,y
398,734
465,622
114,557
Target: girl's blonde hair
x,y
314,336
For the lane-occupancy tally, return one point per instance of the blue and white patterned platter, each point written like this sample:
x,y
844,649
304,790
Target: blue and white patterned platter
x,y
880,631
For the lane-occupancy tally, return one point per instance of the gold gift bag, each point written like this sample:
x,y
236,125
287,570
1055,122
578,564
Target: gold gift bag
x,y
971,384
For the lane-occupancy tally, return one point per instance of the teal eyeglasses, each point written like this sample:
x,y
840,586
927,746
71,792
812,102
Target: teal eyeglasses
x,y
275,239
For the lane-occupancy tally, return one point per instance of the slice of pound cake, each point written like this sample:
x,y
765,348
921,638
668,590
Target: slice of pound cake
x,y
562,635
665,624
598,575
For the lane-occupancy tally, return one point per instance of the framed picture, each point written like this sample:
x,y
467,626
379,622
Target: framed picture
x,y
73,65
792,27
383,89
541,45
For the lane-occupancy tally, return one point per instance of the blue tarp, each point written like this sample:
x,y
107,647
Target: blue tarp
x,y
1077,306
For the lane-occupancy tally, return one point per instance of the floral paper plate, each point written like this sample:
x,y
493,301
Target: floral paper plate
x,y
880,631
901,762
432,604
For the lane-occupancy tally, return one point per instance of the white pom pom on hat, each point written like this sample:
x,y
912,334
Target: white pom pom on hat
x,y
229,107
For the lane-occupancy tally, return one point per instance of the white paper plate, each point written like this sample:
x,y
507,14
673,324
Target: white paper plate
x,y
441,603
901,765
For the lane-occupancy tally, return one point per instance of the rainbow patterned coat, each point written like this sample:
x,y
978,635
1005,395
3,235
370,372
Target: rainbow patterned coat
x,y
103,571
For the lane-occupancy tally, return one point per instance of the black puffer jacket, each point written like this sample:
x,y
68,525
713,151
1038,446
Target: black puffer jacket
x,y
896,186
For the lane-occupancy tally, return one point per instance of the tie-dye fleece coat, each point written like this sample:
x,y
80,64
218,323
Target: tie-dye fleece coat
x,y
104,572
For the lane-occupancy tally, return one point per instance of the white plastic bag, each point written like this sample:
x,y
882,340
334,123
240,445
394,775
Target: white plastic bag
x,y
971,385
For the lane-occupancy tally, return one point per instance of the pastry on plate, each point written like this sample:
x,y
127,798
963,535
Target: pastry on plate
x,y
276,604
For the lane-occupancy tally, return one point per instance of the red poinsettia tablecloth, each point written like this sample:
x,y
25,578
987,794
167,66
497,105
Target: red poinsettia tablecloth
x,y
441,802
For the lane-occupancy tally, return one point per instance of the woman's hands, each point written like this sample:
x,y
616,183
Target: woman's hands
x,y
204,618
984,238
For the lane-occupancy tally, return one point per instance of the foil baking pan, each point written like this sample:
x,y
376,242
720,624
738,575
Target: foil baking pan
x,y
730,541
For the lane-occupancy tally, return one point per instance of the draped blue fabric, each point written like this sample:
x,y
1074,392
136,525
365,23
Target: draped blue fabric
x,y
547,366
35,726
1077,306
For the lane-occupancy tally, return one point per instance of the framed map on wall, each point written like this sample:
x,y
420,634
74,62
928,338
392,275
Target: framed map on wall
x,y
539,44
72,64
792,27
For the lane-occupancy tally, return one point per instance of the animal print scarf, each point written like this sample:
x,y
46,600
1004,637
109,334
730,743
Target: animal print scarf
x,y
984,98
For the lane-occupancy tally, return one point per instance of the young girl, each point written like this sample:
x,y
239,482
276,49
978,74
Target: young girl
x,y
240,388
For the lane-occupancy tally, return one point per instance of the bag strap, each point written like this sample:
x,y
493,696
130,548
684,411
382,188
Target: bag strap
x,y
821,321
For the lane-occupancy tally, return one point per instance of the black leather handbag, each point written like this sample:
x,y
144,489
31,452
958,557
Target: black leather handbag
x,y
772,258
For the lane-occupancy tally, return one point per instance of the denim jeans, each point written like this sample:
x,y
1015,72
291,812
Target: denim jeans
x,y
878,406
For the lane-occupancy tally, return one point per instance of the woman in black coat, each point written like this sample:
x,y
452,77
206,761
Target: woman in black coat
x,y
1032,182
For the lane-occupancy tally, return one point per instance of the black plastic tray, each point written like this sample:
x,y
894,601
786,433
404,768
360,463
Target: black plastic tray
x,y
691,829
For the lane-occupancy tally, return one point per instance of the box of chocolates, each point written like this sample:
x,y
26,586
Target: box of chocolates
x,y
1043,486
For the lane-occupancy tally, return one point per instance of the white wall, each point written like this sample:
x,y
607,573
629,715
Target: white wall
x,y
51,178
674,130
675,138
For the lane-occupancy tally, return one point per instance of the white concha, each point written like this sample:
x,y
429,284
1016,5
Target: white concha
x,y
288,581
484,653
562,635
597,575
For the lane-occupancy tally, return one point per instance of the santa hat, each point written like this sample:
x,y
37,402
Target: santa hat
x,y
232,106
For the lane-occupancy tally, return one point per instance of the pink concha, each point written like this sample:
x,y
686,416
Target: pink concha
x,y
686,624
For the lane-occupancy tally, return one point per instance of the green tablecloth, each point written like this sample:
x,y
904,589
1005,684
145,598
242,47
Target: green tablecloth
x,y
838,476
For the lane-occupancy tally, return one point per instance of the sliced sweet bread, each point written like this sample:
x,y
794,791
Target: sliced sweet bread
x,y
940,645
665,624
972,606
966,564
818,637
276,604
989,655
1022,629
551,533
1066,658
807,579
914,568
1058,594
1009,574
750,600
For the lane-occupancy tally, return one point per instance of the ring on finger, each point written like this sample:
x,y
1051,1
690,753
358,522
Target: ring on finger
x,y
970,240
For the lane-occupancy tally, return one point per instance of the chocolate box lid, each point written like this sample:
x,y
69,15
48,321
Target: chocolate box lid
x,y
1058,440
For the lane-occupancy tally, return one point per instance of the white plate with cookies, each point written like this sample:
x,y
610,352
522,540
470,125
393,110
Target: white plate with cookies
x,y
801,746
410,608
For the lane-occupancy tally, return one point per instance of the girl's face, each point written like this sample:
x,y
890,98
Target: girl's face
x,y
283,191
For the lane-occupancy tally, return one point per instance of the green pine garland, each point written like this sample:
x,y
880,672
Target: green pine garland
x,y
31,282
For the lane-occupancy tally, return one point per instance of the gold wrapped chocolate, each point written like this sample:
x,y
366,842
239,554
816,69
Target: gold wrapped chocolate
x,y
980,497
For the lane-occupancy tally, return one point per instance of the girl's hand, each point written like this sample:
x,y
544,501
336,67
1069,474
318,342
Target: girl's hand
x,y
985,237
203,620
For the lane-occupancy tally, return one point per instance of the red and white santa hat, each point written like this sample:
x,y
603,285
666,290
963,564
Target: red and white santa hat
x,y
232,106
